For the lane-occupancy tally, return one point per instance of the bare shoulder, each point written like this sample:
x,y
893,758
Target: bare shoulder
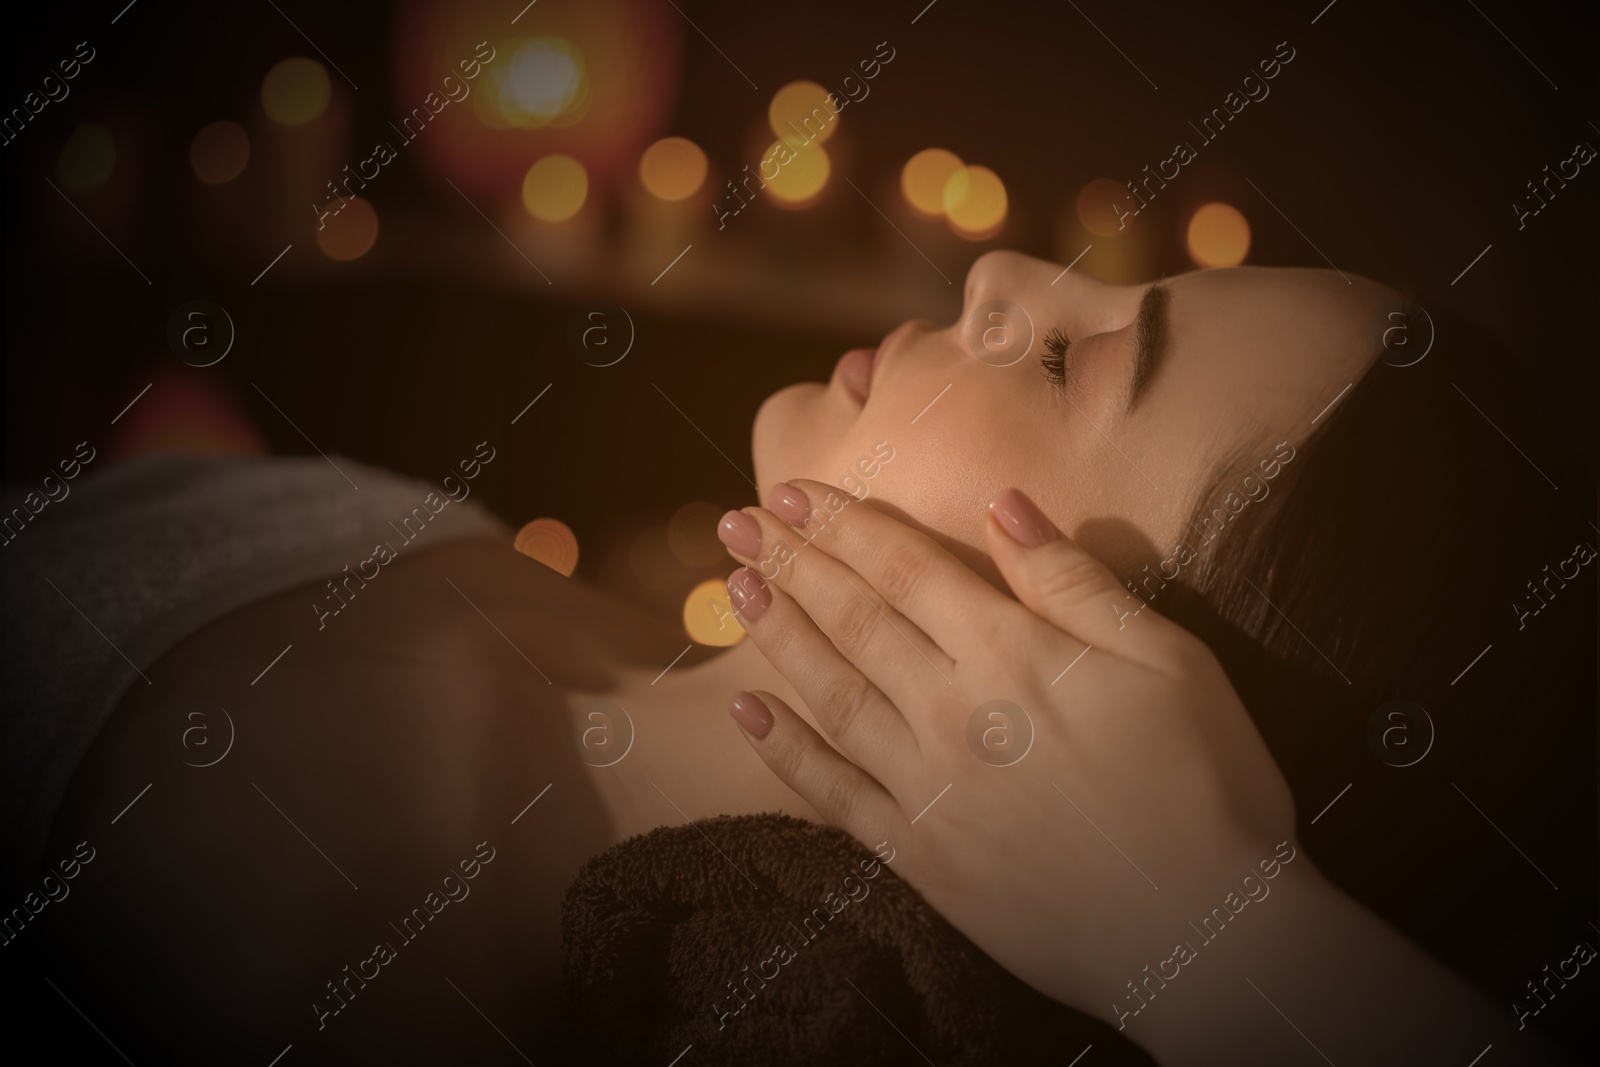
x,y
285,797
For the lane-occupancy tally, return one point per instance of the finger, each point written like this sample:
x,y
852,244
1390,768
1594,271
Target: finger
x,y
1060,582
916,575
842,793
865,725
886,647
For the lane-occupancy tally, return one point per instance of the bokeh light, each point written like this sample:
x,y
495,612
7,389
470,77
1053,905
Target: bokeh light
x,y
673,168
88,158
551,542
653,564
1101,203
1132,257
544,83
219,152
692,534
800,110
295,91
975,202
555,188
802,171
350,233
708,615
923,179
187,411
1219,236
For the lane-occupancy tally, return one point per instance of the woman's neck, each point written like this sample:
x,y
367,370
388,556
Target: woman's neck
x,y
713,680
663,748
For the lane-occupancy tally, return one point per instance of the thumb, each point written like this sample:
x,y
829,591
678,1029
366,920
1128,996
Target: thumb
x,y
1059,581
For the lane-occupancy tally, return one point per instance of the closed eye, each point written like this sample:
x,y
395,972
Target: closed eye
x,y
1149,345
1054,357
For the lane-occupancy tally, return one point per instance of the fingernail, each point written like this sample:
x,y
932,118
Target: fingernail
x,y
741,534
748,711
749,595
1021,519
789,504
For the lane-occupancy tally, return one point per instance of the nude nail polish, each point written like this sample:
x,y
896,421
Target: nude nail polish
x,y
789,504
751,714
749,595
741,534
1021,519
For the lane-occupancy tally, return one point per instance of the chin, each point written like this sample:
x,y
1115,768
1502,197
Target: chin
x,y
792,433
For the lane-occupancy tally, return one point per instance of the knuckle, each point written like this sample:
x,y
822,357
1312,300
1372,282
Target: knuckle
x,y
841,798
776,642
787,761
841,704
1074,580
854,624
902,574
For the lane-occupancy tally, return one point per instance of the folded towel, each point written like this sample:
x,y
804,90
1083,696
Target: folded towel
x,y
766,939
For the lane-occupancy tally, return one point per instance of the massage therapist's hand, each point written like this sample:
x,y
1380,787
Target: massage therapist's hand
x,y
1070,786
1143,769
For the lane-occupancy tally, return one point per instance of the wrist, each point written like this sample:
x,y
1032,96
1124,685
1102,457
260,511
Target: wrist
x,y
1179,994
1311,966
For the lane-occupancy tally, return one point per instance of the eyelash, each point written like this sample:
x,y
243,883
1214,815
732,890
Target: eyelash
x,y
1054,357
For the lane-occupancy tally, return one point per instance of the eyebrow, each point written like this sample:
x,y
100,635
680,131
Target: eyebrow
x,y
1149,339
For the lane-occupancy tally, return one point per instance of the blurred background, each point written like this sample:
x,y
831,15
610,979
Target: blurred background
x,y
406,217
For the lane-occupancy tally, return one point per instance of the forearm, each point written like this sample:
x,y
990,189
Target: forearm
x,y
1313,967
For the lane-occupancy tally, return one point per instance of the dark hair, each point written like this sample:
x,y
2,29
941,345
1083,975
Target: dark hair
x,y
1418,548
1421,507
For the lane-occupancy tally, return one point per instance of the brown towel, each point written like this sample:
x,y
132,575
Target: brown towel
x,y
766,939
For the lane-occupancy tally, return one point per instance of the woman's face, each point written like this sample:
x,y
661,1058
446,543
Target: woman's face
x,y
1220,368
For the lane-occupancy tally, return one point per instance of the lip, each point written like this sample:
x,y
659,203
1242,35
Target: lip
x,y
857,368
853,373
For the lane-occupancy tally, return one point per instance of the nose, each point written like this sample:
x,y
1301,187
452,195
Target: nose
x,y
997,276
1050,295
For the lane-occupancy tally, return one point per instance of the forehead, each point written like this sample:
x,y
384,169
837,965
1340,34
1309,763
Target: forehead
x,y
1274,344
1254,356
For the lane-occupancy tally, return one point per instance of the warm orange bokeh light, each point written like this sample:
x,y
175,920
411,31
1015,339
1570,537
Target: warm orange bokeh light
x,y
802,171
219,152
800,110
1219,236
673,168
975,202
708,615
551,542
350,233
555,188
295,91
923,179
692,534
1098,206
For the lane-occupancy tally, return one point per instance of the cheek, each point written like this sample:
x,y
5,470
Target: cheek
x,y
976,439
950,462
